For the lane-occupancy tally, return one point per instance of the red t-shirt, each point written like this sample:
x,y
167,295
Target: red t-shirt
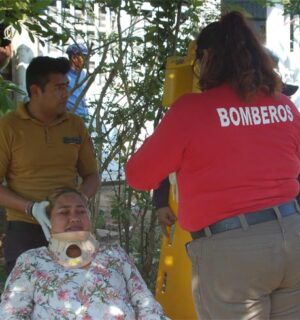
x,y
230,156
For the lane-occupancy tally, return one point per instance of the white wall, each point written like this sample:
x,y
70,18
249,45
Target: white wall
x,y
278,39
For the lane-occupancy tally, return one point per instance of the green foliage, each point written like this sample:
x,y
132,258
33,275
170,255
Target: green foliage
x,y
11,12
100,220
32,15
7,88
291,7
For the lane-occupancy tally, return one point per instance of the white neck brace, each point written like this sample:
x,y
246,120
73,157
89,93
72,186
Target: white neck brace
x,y
84,240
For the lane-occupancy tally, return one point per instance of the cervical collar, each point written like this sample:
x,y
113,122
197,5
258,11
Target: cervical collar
x,y
61,242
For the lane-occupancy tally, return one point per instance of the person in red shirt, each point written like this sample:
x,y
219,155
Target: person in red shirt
x,y
235,149
164,213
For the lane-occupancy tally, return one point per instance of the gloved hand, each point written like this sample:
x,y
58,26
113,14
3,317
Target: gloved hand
x,y
39,212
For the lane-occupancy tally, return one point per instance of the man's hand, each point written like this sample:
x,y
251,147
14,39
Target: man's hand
x,y
166,218
39,212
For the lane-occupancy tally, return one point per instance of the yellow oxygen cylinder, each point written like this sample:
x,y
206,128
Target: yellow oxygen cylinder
x,y
180,76
174,279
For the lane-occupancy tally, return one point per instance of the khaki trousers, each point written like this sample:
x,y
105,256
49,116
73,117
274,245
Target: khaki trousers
x,y
251,273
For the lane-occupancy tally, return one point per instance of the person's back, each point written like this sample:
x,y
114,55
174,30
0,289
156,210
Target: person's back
x,y
235,151
225,142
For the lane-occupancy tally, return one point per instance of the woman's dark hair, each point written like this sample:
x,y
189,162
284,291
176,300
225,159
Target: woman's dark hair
x,y
53,197
40,68
235,56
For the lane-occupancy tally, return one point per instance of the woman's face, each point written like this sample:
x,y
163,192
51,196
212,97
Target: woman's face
x,y
69,214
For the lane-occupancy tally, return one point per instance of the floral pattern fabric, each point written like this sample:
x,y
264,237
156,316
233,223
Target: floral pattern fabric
x,y
111,288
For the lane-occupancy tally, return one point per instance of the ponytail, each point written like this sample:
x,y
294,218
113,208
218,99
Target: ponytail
x,y
235,56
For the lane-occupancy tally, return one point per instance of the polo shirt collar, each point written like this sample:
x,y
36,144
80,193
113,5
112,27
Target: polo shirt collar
x,y
23,114
22,111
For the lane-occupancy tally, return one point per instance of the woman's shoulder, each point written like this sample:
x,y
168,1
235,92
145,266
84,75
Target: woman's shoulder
x,y
212,95
31,258
36,252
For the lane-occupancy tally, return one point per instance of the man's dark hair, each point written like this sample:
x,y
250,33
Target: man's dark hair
x,y
40,68
3,40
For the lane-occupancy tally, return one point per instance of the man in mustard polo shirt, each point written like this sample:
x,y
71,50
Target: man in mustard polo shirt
x,y
42,148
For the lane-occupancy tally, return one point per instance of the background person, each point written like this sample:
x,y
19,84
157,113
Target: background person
x,y
235,150
76,277
77,55
5,47
287,88
164,213
42,148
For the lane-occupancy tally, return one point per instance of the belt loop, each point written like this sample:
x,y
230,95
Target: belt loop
x,y
278,214
297,206
207,232
244,222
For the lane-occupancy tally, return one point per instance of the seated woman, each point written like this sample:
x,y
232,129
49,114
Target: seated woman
x,y
76,277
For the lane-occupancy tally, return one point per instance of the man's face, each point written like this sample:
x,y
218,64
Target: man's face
x,y
69,214
53,98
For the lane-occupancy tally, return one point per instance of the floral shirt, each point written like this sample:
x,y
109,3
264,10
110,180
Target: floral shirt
x,y
111,288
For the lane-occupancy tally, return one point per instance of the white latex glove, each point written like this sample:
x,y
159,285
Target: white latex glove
x,y
39,212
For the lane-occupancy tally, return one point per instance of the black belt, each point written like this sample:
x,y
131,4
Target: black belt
x,y
285,210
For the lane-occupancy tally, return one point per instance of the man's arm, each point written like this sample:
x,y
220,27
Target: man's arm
x,y
161,194
9,199
90,184
87,165
163,151
166,217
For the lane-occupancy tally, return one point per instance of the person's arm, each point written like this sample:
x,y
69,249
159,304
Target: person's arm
x,y
17,297
87,164
90,184
166,219
165,215
37,210
161,194
163,151
9,199
142,300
